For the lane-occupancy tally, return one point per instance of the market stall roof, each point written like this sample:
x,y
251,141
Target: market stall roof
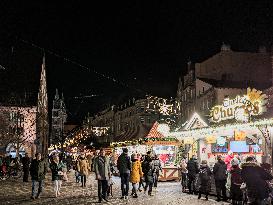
x,y
195,122
155,137
201,132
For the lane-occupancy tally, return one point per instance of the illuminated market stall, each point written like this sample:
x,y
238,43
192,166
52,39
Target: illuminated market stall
x,y
235,125
166,147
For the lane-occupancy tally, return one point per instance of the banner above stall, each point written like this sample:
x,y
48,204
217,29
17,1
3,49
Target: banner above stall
x,y
240,108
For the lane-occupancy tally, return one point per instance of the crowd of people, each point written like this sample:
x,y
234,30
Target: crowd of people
x,y
246,181
241,180
141,171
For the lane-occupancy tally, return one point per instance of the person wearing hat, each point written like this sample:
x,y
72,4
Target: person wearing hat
x,y
228,159
204,179
220,177
193,170
124,167
255,178
234,182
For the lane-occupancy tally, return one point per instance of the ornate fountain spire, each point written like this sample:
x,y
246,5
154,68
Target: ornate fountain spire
x,y
42,113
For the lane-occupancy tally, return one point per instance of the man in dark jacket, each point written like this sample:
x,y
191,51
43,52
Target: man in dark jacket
x,y
193,170
157,168
256,178
26,163
148,170
124,167
38,169
220,177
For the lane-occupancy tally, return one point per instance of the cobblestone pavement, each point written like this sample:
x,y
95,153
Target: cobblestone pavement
x,y
168,193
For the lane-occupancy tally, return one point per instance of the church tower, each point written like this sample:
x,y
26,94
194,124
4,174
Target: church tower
x,y
59,117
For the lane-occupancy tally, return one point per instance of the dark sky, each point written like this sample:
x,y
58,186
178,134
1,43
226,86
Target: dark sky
x,y
142,44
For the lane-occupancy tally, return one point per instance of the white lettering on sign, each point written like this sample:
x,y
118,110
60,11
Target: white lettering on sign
x,y
240,108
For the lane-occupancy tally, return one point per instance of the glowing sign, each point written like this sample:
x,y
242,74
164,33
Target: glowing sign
x,y
241,107
100,131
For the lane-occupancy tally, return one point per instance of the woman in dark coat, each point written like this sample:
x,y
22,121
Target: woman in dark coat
x,y
57,174
204,179
255,178
236,182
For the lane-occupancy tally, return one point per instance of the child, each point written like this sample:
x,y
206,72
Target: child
x,y
204,179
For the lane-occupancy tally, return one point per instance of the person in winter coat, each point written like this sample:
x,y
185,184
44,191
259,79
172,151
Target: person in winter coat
x,y
204,179
220,177
57,174
26,163
256,178
136,174
103,174
184,171
83,168
157,169
148,170
234,182
141,182
228,159
193,170
38,169
124,167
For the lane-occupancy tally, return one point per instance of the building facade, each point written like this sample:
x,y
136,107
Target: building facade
x,y
226,74
59,118
134,120
18,129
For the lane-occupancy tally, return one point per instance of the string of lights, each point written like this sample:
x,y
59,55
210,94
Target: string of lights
x,y
68,60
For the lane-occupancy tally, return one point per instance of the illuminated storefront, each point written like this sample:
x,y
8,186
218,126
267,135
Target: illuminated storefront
x,y
235,125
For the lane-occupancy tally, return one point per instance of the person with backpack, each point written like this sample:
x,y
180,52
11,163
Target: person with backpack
x,y
124,167
157,169
148,170
220,177
234,183
193,170
204,180
255,178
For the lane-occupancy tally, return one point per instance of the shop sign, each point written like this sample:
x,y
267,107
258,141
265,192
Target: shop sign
x,y
211,139
221,141
239,135
188,140
240,107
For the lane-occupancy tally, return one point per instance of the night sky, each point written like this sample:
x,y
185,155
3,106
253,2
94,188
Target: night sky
x,y
141,47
